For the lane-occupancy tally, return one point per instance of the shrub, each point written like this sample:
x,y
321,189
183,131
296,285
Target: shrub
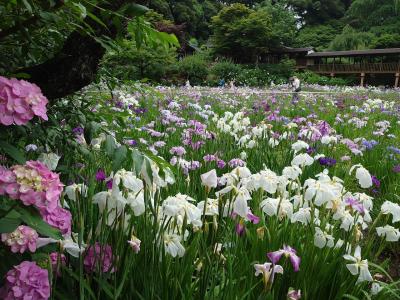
x,y
282,70
255,77
313,78
226,70
194,68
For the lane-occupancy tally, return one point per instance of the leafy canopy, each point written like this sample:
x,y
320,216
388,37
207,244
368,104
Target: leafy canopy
x,y
244,33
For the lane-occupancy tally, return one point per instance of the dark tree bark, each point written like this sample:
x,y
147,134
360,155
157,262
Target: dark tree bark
x,y
76,64
71,69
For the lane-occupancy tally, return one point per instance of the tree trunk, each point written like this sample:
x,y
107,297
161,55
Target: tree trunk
x,y
71,69
76,64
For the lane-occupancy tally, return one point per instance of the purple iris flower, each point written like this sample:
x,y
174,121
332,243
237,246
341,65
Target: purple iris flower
x,y
240,228
355,204
288,252
327,161
100,175
396,169
253,218
132,143
369,144
310,150
119,104
78,130
220,164
236,162
324,128
209,157
376,181
394,149
109,184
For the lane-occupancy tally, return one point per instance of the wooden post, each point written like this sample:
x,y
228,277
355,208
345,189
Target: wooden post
x,y
396,81
362,79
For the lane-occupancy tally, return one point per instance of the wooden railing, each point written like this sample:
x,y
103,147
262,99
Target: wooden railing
x,y
356,68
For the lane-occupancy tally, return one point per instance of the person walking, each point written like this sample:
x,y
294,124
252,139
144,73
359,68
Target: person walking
x,y
296,87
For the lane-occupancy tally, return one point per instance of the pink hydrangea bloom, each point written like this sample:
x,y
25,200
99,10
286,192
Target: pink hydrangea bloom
x,y
99,256
21,239
32,183
20,101
26,281
59,218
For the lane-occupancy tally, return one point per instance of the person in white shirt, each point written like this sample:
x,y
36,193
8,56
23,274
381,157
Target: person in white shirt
x,y
296,87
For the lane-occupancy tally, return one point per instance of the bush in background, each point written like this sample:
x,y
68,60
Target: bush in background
x,y
226,69
313,78
194,68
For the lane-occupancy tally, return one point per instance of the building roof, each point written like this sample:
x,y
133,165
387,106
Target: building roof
x,y
295,50
284,49
355,52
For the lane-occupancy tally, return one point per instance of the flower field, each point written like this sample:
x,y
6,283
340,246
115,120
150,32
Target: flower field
x,y
199,193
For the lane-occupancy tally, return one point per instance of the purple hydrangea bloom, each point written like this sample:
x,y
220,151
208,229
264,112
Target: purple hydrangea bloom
x,y
26,281
99,256
21,239
59,218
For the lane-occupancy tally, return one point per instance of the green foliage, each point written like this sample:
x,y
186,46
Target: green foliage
x,y
194,68
243,33
255,77
34,31
225,69
317,12
368,13
350,39
317,36
128,62
387,41
372,24
283,23
313,78
195,14
282,71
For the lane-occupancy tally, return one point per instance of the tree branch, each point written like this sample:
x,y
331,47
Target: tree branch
x,y
76,64
33,20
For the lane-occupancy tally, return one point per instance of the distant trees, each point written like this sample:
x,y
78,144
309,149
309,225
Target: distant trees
x,y
357,24
195,14
318,12
241,33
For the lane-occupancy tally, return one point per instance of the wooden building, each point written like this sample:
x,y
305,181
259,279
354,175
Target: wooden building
x,y
362,62
374,61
